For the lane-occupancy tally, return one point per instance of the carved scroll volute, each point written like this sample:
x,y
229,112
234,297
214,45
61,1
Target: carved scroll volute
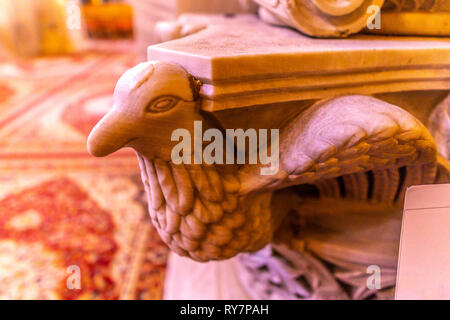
x,y
321,18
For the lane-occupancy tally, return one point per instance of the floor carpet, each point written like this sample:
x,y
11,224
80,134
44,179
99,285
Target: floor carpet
x,y
71,226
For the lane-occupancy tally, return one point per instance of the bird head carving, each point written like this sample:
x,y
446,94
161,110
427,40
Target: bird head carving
x,y
197,209
150,101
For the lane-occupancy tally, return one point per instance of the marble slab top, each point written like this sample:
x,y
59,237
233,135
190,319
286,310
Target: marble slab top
x,y
242,62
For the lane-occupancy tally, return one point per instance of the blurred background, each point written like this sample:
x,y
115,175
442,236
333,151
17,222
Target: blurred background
x,y
71,226
45,27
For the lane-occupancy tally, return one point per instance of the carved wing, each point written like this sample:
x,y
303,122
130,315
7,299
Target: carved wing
x,y
343,136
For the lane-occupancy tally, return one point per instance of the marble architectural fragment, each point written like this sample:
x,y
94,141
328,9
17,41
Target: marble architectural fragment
x,y
352,138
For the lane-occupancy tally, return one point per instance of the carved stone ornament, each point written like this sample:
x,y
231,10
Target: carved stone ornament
x,y
346,157
340,18
320,18
440,127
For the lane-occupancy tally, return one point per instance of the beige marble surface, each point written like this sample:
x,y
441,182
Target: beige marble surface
x,y
242,61
149,12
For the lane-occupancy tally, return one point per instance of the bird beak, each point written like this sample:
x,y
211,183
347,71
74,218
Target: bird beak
x,y
109,135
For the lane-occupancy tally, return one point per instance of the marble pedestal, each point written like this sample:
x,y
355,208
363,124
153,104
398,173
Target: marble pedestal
x,y
247,67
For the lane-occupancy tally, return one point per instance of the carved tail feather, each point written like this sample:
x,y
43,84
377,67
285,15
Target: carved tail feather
x,y
417,5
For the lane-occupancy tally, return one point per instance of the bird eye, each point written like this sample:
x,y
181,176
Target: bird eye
x,y
162,104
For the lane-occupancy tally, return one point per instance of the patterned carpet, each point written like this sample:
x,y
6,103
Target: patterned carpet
x,y
63,213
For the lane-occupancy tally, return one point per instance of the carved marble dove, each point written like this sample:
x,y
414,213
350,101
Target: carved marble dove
x,y
213,212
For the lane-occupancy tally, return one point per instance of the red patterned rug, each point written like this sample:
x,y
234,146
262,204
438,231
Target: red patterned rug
x,y
71,226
